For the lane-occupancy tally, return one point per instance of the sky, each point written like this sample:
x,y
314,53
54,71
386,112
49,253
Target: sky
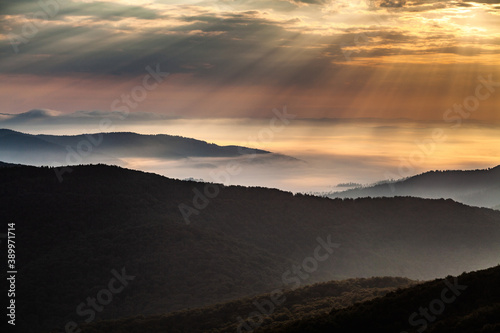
x,y
365,80
327,59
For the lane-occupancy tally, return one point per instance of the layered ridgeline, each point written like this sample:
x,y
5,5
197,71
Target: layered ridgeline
x,y
140,243
30,149
463,304
266,311
473,187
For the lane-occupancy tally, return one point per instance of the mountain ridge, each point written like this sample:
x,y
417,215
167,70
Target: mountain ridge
x,y
480,187
243,241
41,149
467,303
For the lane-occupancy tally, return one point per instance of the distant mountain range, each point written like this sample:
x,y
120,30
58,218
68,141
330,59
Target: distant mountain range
x,y
41,117
239,241
472,187
16,147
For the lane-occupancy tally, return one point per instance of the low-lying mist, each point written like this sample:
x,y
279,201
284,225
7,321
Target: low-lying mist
x,y
323,153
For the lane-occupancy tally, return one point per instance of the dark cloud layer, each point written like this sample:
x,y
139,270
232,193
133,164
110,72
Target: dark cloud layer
x,y
314,47
218,46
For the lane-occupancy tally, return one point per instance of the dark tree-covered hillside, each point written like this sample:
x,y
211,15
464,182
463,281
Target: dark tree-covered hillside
x,y
72,235
469,303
